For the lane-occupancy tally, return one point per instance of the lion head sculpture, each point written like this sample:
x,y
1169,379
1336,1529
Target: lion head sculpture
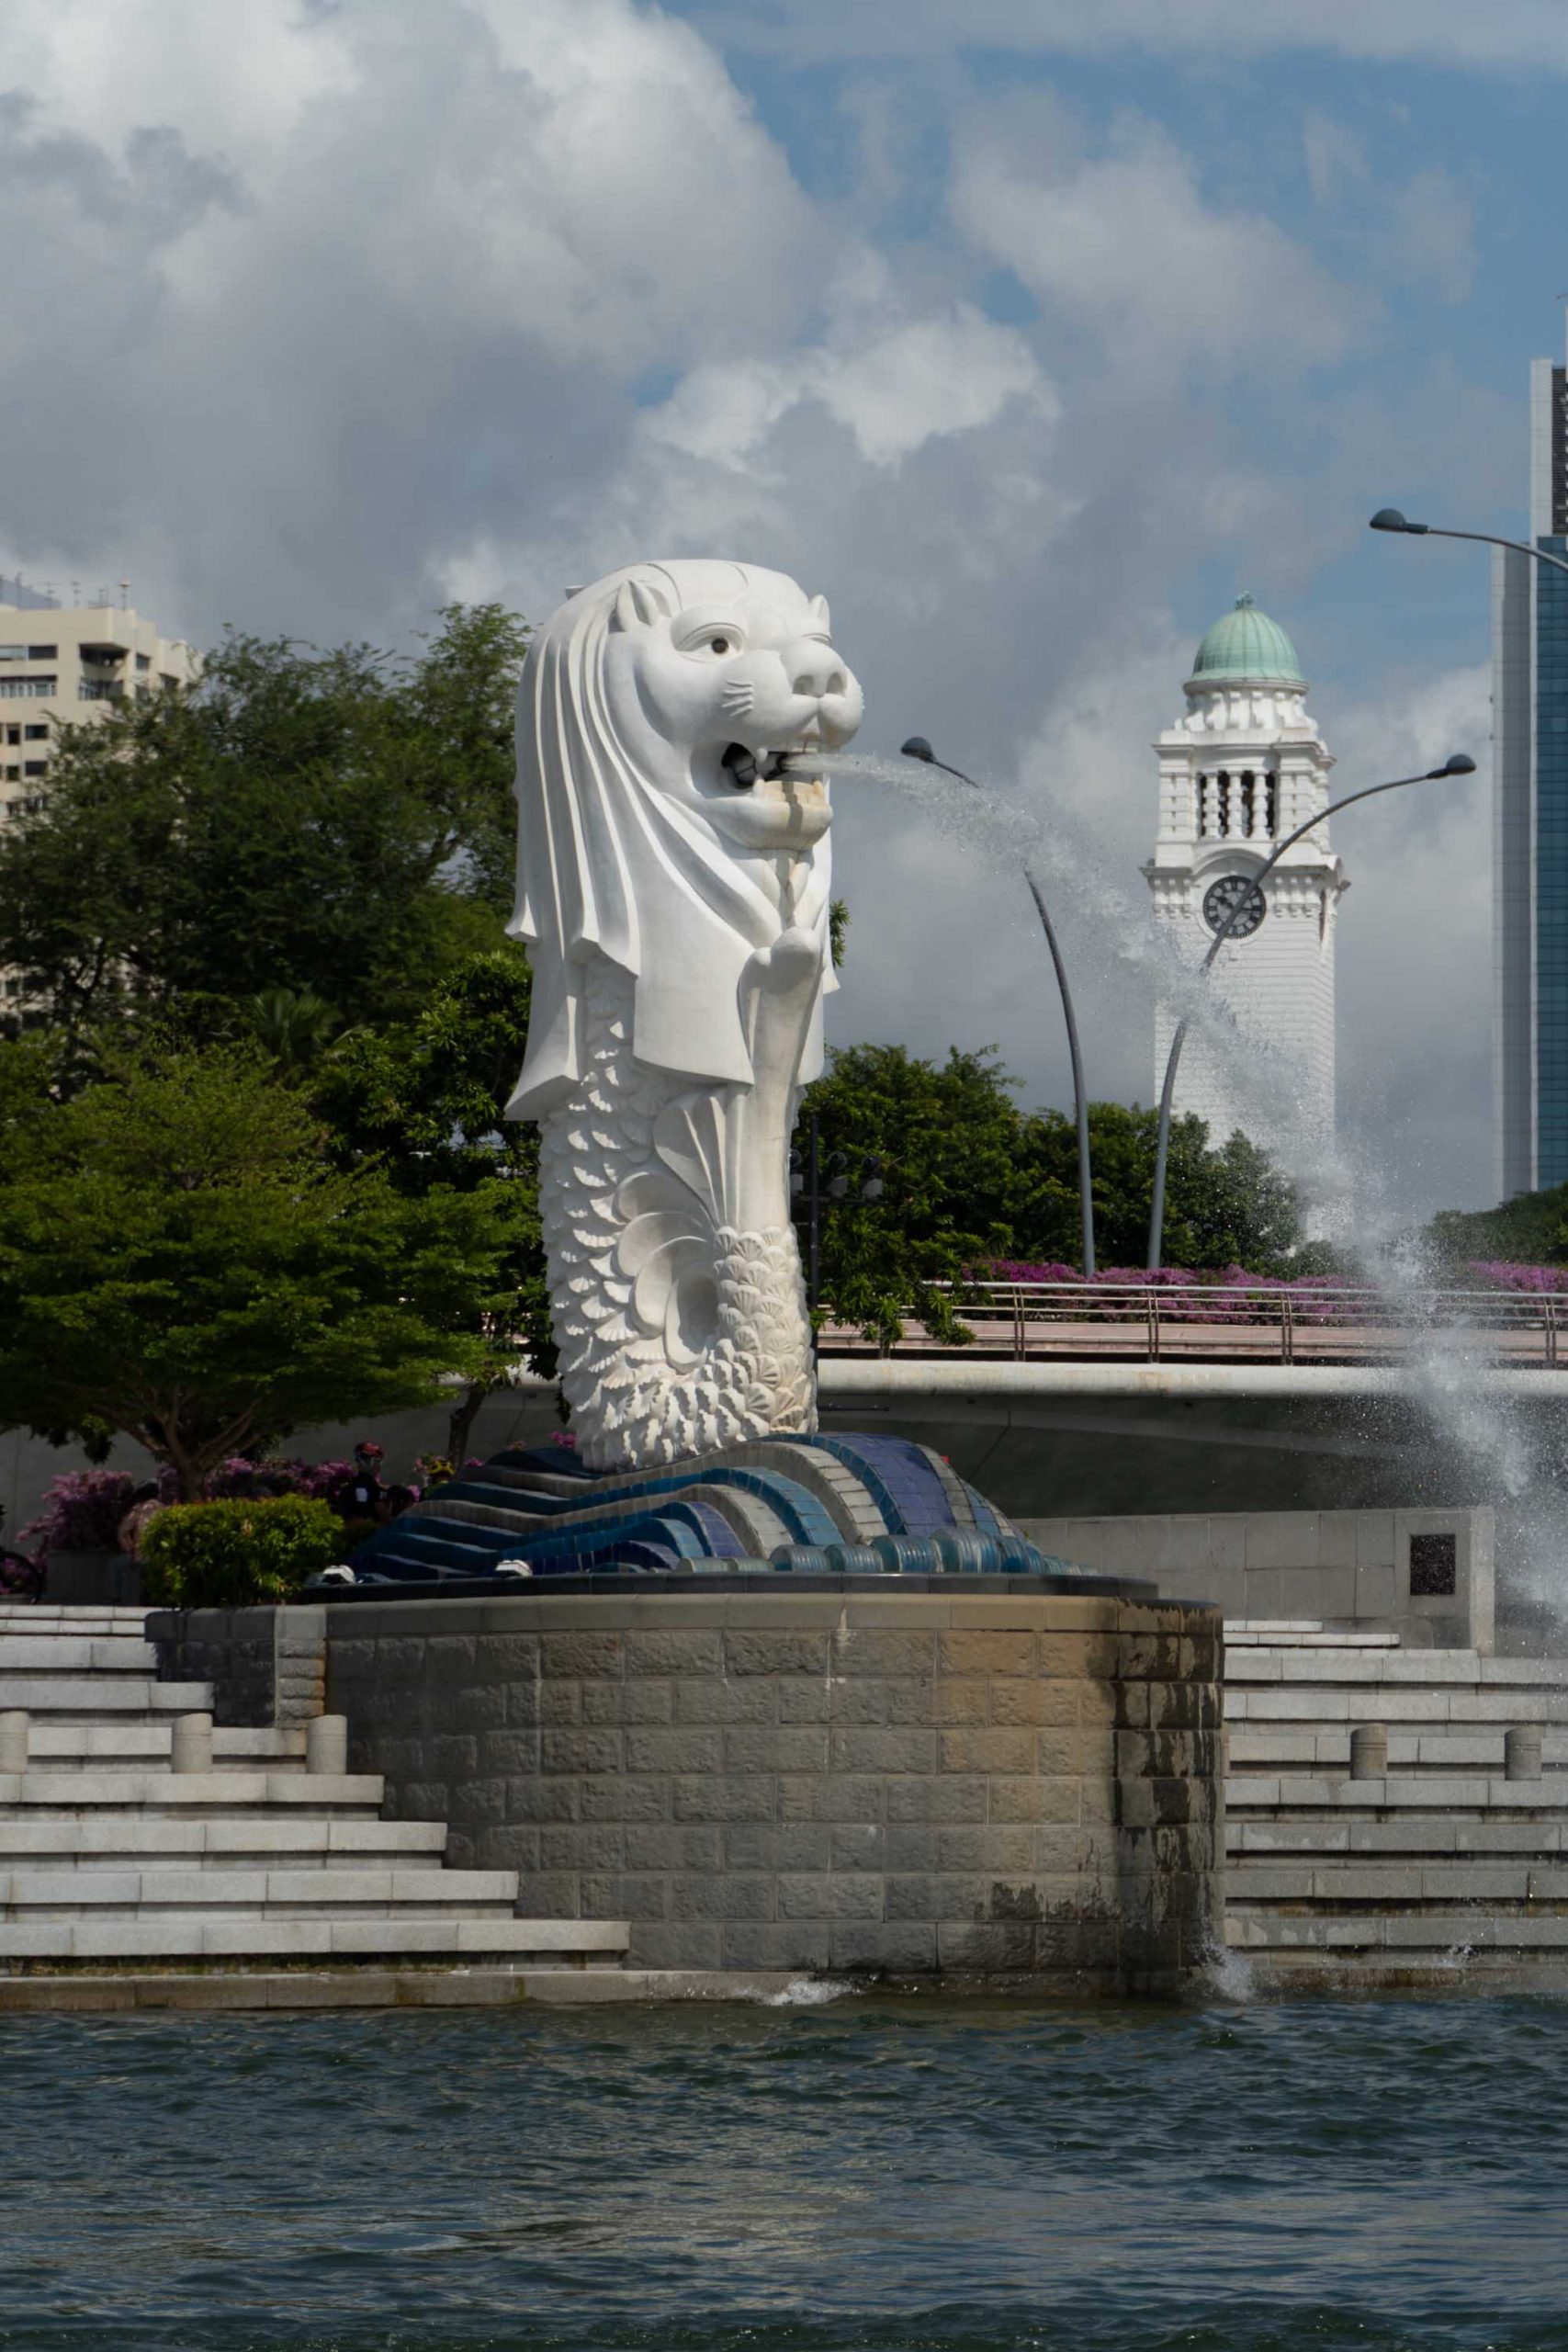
x,y
655,828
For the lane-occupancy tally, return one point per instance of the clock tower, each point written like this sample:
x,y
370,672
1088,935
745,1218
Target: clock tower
x,y
1244,767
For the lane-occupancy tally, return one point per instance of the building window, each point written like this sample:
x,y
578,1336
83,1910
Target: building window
x,y
145,661
13,734
44,653
29,734
97,690
35,767
28,689
13,652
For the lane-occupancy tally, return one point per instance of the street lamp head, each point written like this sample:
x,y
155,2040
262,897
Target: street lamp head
x,y
1389,518
917,748
1457,764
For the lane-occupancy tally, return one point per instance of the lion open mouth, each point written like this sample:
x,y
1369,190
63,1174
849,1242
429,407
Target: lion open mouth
x,y
744,767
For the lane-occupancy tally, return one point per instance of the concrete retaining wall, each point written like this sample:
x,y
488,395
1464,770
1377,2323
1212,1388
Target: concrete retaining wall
x,y
265,1665
1017,1787
1333,1564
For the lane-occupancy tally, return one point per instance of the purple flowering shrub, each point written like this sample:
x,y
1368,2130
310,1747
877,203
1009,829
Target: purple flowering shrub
x,y
82,1509
82,1512
1499,1273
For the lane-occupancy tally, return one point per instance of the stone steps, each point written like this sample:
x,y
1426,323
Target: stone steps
x,y
1321,1706
1291,1746
1440,1864
35,1617
70,1653
349,1885
1305,1633
1542,1831
1434,1669
1384,1881
200,1934
252,1863
116,1840
88,1698
1318,1793
68,1790
149,1745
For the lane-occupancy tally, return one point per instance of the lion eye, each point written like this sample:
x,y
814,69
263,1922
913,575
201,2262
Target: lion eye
x,y
718,645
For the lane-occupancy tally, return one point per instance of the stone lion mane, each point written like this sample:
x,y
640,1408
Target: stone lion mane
x,y
606,862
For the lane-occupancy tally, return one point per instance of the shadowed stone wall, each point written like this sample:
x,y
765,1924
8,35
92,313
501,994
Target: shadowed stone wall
x,y
1021,1787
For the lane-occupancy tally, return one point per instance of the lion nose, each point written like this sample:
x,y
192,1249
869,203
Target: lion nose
x,y
815,670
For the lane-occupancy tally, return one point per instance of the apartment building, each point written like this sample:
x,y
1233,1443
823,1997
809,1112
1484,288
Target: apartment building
x,y
67,663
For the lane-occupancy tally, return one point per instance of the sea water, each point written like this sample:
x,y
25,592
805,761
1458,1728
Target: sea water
x,y
853,2175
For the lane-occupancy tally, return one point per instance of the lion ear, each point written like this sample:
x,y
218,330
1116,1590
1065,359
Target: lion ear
x,y
819,613
641,601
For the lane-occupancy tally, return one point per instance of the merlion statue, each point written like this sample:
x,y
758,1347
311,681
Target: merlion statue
x,y
673,892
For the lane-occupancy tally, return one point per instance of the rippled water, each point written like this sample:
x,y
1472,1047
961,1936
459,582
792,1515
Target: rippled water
x,y
1386,2175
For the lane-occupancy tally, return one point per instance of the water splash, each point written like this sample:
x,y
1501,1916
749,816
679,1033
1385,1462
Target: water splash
x,y
807,1993
1343,1193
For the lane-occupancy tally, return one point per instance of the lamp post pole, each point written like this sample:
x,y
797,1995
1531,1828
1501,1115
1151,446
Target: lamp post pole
x,y
1458,764
917,748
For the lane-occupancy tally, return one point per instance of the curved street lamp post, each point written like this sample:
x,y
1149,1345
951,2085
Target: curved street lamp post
x,y
917,748
1458,764
1389,518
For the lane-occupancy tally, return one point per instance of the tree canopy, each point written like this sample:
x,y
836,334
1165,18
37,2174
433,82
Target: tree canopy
x,y
424,1100
969,1178
181,1261
337,825
1531,1229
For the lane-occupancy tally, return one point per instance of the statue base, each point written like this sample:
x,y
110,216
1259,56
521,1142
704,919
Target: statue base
x,y
844,1504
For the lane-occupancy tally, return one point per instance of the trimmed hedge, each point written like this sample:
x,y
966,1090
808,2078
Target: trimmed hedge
x,y
233,1554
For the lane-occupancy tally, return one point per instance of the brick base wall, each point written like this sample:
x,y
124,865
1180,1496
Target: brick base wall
x,y
1022,1788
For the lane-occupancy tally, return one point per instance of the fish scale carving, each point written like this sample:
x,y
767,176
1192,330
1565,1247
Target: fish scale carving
x,y
704,1341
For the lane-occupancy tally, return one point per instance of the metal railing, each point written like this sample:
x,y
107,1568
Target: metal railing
x,y
1223,1322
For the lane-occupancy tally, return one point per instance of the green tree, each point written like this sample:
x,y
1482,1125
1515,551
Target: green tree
x,y
1532,1229
338,825
947,1139
181,1261
1225,1205
424,1100
970,1178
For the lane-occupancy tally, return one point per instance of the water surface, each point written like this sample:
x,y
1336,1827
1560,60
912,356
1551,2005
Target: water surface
x,y
1386,2176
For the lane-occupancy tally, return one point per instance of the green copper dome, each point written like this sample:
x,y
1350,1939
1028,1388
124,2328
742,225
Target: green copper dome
x,y
1245,644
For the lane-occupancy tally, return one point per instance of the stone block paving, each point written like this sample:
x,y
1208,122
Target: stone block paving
x,y
1013,1787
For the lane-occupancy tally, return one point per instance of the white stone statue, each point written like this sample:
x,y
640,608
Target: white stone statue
x,y
673,892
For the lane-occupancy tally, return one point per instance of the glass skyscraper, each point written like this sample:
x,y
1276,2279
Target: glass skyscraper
x,y
1530,741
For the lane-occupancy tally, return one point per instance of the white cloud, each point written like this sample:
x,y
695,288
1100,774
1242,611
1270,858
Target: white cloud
x,y
373,302
1127,243
894,392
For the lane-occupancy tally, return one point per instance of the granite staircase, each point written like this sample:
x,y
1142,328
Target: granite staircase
x,y
139,1842
1392,1814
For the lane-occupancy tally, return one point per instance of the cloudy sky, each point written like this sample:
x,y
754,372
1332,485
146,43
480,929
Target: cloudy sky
x,y
1029,331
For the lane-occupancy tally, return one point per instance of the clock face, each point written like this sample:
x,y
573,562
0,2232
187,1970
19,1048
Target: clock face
x,y
1230,892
